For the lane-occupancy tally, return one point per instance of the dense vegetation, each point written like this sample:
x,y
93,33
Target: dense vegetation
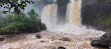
x,y
19,23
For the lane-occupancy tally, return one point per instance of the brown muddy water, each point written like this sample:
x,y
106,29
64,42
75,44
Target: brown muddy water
x,y
50,40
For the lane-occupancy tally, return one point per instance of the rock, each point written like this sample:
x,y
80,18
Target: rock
x,y
61,47
104,41
38,36
1,39
109,47
42,41
99,43
65,39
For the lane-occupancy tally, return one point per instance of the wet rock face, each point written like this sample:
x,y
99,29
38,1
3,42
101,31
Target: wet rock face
x,y
61,10
104,41
92,12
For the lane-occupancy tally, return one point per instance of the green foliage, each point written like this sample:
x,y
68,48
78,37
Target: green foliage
x,y
18,23
9,4
33,14
107,20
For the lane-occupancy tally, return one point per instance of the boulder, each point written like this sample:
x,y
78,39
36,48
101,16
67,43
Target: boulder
x,y
104,41
99,43
61,47
1,39
38,36
109,47
65,39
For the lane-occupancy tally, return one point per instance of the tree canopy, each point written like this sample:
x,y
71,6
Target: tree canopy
x,y
17,5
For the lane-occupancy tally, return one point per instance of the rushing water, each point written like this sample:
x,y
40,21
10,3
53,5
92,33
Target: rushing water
x,y
74,12
72,28
72,22
50,40
50,17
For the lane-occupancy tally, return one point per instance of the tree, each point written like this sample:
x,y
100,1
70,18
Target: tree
x,y
18,5
21,23
33,14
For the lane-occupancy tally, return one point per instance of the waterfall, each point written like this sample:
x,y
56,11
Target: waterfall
x,y
50,16
70,27
72,22
74,12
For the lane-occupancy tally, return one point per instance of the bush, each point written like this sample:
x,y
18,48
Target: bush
x,y
18,23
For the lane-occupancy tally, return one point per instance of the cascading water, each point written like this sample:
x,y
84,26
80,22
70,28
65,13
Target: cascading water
x,y
48,15
80,37
70,14
74,12
72,22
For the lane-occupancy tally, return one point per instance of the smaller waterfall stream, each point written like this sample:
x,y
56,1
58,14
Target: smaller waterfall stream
x,y
74,12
